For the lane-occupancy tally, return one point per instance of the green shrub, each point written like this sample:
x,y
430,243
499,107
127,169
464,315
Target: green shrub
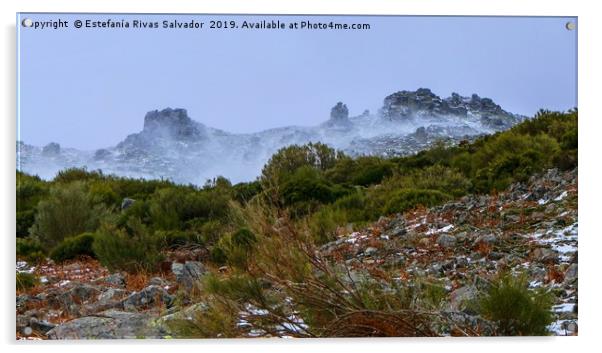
x,y
324,223
30,250
516,309
306,184
71,175
102,192
406,199
25,220
67,212
73,247
244,238
171,208
288,159
218,256
26,281
364,170
244,192
133,249
234,249
211,231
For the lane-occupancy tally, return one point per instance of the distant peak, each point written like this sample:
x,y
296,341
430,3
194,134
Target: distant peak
x,y
175,122
339,112
405,105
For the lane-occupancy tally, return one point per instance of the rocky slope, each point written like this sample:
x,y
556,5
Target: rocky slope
x,y
530,228
172,145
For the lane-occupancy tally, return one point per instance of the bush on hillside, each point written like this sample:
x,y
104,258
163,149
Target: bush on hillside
x,y
133,249
516,309
66,212
406,199
73,247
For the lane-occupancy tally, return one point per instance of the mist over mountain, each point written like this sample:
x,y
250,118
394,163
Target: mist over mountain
x,y
172,145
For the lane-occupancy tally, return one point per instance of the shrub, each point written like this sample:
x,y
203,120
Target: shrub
x,y
26,281
133,249
25,220
211,231
306,185
30,250
234,249
288,159
244,238
244,192
436,177
73,247
406,199
218,256
324,223
171,208
516,309
67,212
102,192
363,170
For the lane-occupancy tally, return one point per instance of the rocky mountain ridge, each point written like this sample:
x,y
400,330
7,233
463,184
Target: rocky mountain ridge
x,y
171,145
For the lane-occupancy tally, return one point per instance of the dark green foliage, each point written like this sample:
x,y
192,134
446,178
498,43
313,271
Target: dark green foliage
x,y
73,247
30,190
25,220
244,238
30,250
324,223
218,256
362,171
66,212
26,281
211,231
516,309
133,249
102,192
234,249
406,199
288,159
171,208
244,192
307,185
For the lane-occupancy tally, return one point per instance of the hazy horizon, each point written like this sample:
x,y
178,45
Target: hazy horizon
x,y
90,89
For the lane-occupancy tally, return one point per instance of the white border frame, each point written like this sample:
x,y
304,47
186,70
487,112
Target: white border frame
x,y
589,126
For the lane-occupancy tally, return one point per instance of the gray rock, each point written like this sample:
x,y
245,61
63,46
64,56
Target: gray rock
x,y
158,281
150,295
72,299
461,296
111,324
461,237
370,251
339,112
188,274
396,228
570,275
544,255
115,279
127,203
489,239
446,241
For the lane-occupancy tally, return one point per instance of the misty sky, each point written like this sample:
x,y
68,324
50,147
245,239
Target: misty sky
x,y
91,88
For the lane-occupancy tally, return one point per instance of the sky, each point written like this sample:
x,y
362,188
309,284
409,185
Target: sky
x,y
90,88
